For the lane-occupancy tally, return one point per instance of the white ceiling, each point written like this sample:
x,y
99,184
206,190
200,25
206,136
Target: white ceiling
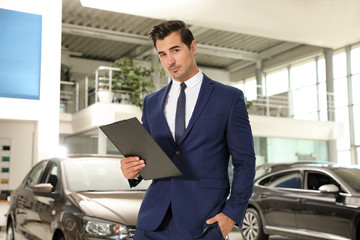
x,y
325,23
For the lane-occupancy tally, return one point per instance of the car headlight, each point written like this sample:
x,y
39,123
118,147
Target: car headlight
x,y
100,228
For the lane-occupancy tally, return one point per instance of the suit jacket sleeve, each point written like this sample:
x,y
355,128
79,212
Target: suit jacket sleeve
x,y
241,148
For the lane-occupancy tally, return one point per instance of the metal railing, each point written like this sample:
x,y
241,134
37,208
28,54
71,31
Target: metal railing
x,y
80,95
69,97
281,104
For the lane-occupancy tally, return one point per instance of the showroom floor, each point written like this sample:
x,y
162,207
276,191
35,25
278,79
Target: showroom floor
x,y
233,236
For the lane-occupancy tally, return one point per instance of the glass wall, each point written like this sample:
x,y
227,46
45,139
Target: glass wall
x,y
347,103
248,87
277,82
84,143
274,150
306,84
355,80
341,105
87,143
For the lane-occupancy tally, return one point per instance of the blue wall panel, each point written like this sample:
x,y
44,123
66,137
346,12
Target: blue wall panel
x,y
20,54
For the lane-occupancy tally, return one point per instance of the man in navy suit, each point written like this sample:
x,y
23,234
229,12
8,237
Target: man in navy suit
x,y
197,204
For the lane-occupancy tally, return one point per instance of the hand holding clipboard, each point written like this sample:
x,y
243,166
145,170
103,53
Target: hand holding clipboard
x,y
132,139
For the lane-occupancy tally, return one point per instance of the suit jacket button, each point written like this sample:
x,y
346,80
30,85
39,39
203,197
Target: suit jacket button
x,y
177,153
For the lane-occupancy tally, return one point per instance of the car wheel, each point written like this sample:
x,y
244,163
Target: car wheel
x,y
252,226
10,232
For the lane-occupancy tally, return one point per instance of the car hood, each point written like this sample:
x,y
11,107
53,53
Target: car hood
x,y
120,207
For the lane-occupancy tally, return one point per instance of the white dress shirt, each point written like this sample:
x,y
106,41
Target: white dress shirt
x,y
192,90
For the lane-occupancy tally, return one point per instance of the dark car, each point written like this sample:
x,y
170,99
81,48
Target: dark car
x,y
79,197
305,201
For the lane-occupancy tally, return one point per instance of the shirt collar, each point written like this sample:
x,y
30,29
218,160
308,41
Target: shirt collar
x,y
192,82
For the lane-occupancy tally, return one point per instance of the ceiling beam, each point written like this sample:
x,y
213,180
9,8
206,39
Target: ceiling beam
x,y
280,48
105,34
264,55
227,52
239,65
143,40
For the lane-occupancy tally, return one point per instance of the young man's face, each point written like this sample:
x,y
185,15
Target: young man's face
x,y
176,57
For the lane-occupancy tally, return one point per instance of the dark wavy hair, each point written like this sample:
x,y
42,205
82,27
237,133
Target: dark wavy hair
x,y
164,29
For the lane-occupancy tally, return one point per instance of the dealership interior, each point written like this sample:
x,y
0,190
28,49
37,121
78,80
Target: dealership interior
x,y
297,62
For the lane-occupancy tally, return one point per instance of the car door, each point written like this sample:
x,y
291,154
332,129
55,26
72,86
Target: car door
x,y
24,213
46,204
323,214
278,199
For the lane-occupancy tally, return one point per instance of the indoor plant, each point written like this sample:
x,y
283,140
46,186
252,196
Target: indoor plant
x,y
133,79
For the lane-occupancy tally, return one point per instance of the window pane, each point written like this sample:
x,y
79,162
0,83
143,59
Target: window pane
x,y
339,62
240,85
303,75
250,89
34,176
357,124
340,90
277,150
342,116
283,180
323,116
356,88
321,69
305,103
322,96
355,60
316,180
277,82
344,157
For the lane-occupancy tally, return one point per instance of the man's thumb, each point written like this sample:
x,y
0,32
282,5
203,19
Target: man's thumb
x,y
211,221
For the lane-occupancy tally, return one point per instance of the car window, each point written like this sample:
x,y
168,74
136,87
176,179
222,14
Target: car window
x,y
33,177
290,179
316,179
97,175
53,176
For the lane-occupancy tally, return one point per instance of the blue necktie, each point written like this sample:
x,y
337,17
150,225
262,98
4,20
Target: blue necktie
x,y
180,115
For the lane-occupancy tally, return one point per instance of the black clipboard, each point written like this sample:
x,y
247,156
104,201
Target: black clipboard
x,y
131,139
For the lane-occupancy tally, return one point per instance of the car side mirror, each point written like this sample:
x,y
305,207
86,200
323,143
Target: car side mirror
x,y
45,190
329,188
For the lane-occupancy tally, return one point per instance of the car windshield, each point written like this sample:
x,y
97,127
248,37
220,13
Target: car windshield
x,y
350,175
97,174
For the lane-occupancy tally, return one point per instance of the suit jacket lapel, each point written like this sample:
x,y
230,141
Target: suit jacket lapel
x,y
204,94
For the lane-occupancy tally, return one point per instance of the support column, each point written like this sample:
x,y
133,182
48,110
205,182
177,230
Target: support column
x,y
290,95
354,159
259,79
101,143
332,147
317,89
260,89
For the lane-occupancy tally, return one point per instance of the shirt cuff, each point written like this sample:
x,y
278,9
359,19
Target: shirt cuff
x,y
134,182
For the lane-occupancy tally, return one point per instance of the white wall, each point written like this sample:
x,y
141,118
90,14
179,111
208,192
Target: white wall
x,y
20,135
43,113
